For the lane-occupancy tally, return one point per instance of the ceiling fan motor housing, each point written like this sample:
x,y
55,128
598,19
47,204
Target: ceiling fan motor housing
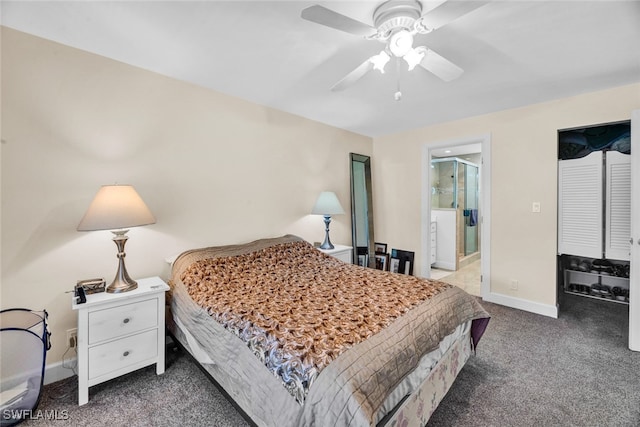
x,y
395,15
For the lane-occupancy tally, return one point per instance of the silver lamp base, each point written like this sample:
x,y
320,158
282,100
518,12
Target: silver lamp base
x,y
327,241
122,282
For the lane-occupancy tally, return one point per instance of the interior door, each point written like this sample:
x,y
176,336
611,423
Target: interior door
x,y
618,206
580,201
634,274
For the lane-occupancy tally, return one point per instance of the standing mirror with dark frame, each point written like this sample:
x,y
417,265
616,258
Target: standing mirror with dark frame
x,y
362,211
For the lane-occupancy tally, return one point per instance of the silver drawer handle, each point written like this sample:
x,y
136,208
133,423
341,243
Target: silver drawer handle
x,y
126,320
126,353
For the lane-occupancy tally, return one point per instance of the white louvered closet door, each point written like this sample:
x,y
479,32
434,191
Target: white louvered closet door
x,y
618,206
580,206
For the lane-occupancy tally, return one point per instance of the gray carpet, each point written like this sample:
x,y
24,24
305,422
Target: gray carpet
x,y
537,371
529,371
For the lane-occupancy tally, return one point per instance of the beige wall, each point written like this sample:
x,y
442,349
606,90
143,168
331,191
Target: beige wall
x,y
523,170
213,169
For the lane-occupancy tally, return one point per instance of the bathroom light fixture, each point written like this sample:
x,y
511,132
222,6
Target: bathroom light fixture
x,y
327,205
117,207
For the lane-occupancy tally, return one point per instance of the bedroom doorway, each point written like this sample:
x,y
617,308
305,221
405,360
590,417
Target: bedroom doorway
x,y
455,213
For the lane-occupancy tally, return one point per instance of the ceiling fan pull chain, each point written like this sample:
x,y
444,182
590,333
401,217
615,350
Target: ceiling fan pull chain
x,y
398,95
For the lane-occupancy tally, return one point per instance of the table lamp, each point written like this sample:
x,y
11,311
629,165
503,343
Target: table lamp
x,y
117,208
327,205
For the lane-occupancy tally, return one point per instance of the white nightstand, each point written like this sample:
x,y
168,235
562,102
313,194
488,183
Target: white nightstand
x,y
119,333
342,252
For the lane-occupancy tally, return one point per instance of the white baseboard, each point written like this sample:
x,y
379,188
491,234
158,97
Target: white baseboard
x,y
445,265
55,371
522,304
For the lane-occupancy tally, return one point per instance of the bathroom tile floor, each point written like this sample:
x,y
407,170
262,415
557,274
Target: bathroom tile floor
x,y
467,278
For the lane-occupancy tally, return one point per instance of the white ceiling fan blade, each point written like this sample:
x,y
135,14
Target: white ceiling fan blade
x,y
449,11
353,76
322,15
440,66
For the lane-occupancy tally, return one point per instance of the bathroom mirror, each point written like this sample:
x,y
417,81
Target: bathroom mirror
x,y
362,211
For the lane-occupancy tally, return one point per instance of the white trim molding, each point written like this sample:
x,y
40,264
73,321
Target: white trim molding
x,y
485,208
634,276
59,371
522,304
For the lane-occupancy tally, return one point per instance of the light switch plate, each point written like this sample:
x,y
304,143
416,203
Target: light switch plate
x,y
535,207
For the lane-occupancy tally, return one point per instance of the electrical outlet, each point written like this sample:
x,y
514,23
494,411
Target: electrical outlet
x,y
72,338
514,285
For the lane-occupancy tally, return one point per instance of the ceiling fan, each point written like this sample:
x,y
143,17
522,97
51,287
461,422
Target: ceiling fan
x,y
395,23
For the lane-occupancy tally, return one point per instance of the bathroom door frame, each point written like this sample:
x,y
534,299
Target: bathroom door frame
x,y
484,211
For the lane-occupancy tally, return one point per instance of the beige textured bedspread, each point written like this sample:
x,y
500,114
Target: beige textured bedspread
x,y
384,323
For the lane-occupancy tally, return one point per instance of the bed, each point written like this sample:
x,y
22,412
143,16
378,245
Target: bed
x,y
296,337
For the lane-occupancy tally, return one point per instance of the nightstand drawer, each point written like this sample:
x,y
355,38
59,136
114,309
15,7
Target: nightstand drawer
x,y
341,252
119,354
344,256
125,319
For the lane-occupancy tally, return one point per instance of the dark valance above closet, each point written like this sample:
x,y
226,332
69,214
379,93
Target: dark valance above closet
x,y
577,143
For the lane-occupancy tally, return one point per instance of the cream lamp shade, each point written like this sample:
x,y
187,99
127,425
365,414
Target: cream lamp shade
x,y
117,208
327,205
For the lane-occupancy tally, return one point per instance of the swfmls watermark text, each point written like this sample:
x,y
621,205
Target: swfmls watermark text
x,y
30,414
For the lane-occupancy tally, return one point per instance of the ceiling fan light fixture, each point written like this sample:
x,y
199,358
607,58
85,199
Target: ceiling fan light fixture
x,y
401,43
421,27
395,23
414,57
379,61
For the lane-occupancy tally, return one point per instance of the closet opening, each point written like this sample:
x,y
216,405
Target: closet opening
x,y
594,215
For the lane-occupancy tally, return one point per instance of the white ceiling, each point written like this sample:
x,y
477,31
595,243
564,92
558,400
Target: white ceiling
x,y
513,52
